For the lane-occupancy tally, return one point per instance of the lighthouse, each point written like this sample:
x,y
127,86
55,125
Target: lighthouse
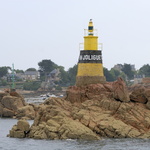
x,y
90,66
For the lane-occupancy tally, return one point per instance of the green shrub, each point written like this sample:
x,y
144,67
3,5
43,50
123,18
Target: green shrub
x,y
32,86
3,82
58,88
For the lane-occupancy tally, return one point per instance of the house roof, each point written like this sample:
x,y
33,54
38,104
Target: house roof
x,y
31,72
55,71
139,76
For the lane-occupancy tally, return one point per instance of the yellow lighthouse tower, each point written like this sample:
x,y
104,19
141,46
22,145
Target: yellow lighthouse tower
x,y
90,67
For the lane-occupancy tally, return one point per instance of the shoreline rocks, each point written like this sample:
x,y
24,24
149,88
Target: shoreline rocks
x,y
13,105
89,112
92,112
115,90
10,104
21,130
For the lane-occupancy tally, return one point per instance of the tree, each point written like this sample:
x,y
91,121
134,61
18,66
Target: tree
x,y
32,86
123,76
45,67
3,71
63,76
19,71
3,82
115,73
31,69
127,69
145,70
108,75
72,72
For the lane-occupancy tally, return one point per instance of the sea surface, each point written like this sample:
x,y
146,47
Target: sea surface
x,y
7,143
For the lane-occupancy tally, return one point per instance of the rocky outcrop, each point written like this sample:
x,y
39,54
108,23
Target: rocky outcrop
x,y
147,95
13,105
27,112
140,93
92,112
20,130
120,91
10,104
54,122
114,90
146,81
92,119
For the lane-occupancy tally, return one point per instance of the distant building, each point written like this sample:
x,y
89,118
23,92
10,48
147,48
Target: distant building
x,y
53,76
31,75
138,79
146,80
118,67
133,68
20,75
50,83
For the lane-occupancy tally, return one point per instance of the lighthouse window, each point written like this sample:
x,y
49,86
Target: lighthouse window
x,y
90,27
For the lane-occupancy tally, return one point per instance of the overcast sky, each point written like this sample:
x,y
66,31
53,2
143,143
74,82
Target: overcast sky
x,y
33,30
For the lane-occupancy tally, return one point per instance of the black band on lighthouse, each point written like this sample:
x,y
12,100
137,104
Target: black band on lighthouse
x,y
90,56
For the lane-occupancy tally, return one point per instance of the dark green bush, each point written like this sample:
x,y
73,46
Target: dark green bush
x,y
32,86
58,88
3,82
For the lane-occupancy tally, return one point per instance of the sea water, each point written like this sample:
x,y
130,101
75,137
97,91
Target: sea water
x,y
7,143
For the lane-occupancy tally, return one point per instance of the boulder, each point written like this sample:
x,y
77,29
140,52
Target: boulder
x,y
147,95
120,91
23,125
2,94
21,130
138,95
14,93
27,112
146,80
12,102
9,105
8,113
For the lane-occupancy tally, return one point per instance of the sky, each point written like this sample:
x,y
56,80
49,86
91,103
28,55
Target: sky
x,y
34,30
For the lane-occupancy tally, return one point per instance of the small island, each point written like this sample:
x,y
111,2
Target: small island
x,y
92,109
